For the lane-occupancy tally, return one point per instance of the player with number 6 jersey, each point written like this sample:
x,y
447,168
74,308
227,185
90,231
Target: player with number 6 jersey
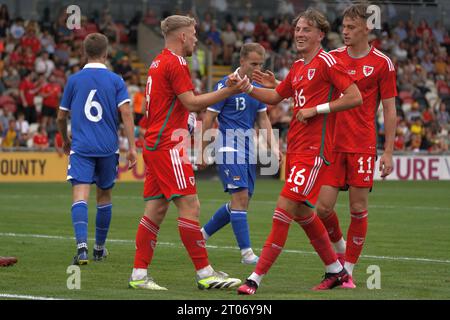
x,y
93,97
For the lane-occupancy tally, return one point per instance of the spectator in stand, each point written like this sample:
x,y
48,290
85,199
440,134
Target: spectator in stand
x,y
30,40
124,68
17,29
428,117
3,123
40,139
139,105
229,39
109,28
261,28
415,143
4,14
10,138
63,34
58,144
51,94
150,18
28,58
399,142
213,40
246,27
27,92
442,115
47,42
23,130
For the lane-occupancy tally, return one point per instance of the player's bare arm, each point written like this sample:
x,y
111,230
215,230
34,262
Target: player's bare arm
x,y
200,102
263,122
61,122
128,123
351,97
208,120
390,121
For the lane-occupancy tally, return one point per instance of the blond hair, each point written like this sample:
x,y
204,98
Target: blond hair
x,y
252,47
315,17
175,22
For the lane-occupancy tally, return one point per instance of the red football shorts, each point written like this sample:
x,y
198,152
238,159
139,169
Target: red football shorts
x,y
167,175
350,169
302,176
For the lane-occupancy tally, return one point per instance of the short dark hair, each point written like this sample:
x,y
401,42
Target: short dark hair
x,y
95,45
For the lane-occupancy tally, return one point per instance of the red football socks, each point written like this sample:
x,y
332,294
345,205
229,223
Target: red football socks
x,y
192,238
146,239
331,223
356,236
275,242
318,237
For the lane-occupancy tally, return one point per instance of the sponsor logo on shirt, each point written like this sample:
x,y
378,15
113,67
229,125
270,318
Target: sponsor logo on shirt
x,y
236,178
192,180
351,72
294,189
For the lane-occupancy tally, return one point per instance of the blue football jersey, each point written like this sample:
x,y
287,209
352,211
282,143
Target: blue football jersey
x,y
236,116
93,96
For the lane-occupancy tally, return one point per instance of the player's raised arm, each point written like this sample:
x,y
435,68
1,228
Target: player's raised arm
x,y
264,124
201,102
208,121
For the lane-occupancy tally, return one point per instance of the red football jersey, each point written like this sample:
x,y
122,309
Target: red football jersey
x,y
168,77
375,77
321,80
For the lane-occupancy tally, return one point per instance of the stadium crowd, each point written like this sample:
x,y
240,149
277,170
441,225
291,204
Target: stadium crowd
x,y
37,58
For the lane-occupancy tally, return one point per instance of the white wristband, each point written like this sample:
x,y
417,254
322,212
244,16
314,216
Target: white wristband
x,y
323,108
250,90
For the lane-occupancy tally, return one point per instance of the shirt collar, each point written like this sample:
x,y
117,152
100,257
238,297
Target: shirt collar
x,y
96,65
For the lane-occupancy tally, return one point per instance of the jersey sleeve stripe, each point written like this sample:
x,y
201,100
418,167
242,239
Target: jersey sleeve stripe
x,y
124,101
327,60
63,108
262,110
329,56
381,55
213,110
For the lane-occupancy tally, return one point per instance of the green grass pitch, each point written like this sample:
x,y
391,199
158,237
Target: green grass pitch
x,y
408,239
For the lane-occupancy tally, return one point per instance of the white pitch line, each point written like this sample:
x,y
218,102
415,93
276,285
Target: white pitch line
x,y
374,206
19,296
170,244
